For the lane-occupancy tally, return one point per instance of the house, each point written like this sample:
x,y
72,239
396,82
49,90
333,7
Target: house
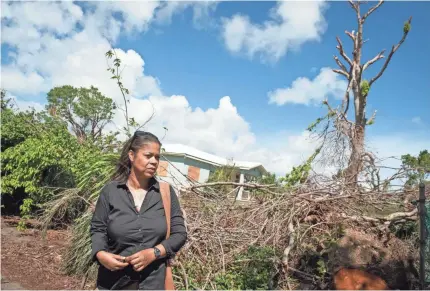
x,y
182,165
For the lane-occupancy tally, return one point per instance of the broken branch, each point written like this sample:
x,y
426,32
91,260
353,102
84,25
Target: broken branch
x,y
356,7
389,218
372,119
393,50
248,185
341,72
351,35
339,63
342,52
345,101
290,245
371,10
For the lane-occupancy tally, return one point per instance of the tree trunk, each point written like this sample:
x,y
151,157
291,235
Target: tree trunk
x,y
355,163
360,92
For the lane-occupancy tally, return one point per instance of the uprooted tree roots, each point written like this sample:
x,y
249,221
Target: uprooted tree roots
x,y
292,239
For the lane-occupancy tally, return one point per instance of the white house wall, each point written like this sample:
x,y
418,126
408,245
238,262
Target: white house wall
x,y
176,171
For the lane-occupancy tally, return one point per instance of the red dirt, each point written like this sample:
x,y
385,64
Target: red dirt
x,y
32,262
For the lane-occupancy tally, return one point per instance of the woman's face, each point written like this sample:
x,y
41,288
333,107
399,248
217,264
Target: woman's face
x,y
145,161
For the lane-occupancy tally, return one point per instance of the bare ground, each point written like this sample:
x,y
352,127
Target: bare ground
x,y
30,262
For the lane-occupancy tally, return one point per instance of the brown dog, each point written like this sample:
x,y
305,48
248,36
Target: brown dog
x,y
354,279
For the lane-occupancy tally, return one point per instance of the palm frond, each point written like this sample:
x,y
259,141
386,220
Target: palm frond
x,y
65,206
78,259
92,178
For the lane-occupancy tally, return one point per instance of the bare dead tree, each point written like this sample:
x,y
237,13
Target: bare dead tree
x,y
359,87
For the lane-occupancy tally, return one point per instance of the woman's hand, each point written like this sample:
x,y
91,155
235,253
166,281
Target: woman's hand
x,y
141,259
111,261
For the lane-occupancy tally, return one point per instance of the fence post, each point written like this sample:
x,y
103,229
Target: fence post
x,y
423,237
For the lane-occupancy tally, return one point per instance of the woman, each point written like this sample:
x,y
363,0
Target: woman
x,y
128,228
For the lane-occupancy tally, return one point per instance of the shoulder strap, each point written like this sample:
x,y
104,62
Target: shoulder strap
x,y
169,284
165,196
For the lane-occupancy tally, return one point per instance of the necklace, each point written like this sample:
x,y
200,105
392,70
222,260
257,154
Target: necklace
x,y
138,196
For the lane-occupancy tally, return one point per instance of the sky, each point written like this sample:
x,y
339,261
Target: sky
x,y
241,80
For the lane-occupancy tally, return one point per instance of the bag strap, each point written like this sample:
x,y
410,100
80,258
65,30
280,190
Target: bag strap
x,y
165,196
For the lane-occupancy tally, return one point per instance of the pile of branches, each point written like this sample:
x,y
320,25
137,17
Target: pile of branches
x,y
262,244
280,239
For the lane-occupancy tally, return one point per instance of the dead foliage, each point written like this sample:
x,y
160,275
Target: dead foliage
x,y
301,236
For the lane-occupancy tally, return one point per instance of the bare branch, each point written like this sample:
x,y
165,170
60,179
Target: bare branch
x,y
372,61
351,35
345,101
290,244
356,7
372,119
341,72
339,63
393,50
247,185
389,218
371,10
400,215
342,52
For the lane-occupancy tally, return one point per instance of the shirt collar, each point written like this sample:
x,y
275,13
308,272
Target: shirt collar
x,y
153,183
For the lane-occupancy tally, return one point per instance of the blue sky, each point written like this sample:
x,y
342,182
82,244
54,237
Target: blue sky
x,y
180,59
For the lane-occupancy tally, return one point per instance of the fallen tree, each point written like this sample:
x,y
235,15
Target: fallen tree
x,y
226,240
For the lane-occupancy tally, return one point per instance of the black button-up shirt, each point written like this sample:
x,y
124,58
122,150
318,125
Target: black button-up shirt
x,y
117,227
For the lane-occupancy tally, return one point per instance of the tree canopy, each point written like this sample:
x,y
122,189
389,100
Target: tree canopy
x,y
86,110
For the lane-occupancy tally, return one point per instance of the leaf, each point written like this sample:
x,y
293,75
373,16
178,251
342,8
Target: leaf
x,y
109,54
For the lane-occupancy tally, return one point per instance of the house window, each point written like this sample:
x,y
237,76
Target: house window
x,y
193,173
245,195
162,168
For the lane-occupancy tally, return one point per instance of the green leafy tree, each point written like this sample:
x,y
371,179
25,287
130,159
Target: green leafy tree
x,y
40,156
417,168
41,159
15,126
86,110
300,174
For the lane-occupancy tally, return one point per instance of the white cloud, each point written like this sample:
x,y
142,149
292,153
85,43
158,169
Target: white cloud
x,y
281,151
57,17
306,91
202,11
43,60
22,105
136,15
218,130
51,52
21,82
78,59
292,24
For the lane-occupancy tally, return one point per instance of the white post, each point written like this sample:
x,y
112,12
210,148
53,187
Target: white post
x,y
241,180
